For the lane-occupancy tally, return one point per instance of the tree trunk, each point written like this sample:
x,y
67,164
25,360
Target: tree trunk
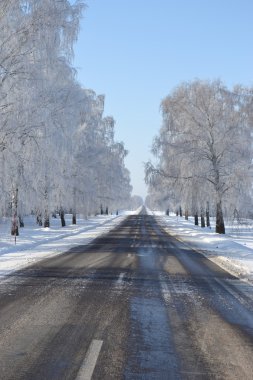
x,y
220,226
186,215
21,221
46,214
196,219
207,215
180,211
14,224
74,207
14,228
39,219
62,216
202,218
46,220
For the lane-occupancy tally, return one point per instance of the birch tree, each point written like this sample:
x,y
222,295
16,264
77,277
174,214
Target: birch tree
x,y
205,143
57,150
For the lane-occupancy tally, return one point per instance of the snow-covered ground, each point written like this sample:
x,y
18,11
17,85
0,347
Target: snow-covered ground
x,y
233,251
36,243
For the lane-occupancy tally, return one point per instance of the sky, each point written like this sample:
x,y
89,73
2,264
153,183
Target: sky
x,y
137,51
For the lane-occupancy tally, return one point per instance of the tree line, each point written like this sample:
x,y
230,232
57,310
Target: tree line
x,y
203,152
57,150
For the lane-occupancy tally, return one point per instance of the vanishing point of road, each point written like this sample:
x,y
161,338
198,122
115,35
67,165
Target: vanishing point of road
x,y
134,304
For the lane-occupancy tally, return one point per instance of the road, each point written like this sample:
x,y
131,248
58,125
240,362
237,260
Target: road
x,y
134,304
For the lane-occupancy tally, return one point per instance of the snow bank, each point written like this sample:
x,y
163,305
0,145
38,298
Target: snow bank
x,y
233,251
36,243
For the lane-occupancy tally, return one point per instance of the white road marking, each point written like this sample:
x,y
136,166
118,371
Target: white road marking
x,y
87,368
165,290
120,279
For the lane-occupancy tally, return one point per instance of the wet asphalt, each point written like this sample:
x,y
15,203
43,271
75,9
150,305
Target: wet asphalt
x,y
134,304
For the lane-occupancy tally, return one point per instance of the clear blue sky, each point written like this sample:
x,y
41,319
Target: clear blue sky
x,y
136,51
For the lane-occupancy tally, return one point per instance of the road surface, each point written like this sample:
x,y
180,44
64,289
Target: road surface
x,y
134,304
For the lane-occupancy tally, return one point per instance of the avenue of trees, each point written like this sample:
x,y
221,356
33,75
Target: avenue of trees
x,y
57,150
203,153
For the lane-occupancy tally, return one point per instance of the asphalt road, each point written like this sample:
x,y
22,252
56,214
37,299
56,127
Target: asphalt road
x,y
134,304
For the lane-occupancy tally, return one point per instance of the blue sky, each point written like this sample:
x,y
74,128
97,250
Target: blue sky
x,y
137,51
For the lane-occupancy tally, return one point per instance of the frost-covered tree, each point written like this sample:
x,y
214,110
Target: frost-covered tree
x,y
99,159
57,151
204,148
35,45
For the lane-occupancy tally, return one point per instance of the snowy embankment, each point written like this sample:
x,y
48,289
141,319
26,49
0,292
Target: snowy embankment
x,y
233,251
37,243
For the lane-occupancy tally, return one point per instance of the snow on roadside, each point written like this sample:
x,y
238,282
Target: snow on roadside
x,y
233,251
37,243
